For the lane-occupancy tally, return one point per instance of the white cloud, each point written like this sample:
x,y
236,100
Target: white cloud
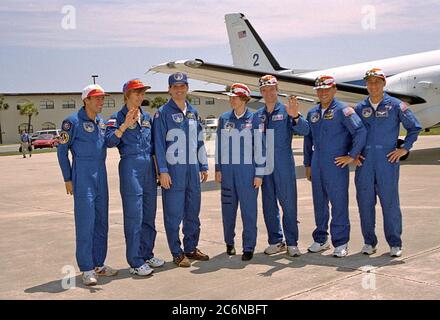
x,y
198,23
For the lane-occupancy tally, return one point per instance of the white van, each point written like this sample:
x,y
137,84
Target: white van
x,y
210,124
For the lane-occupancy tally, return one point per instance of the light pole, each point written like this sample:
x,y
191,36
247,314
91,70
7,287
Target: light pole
x,y
94,76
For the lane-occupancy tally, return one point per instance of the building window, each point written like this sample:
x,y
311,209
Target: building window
x,y
209,101
69,104
195,101
48,126
46,104
109,103
24,126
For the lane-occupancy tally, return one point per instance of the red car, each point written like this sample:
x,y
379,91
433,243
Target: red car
x,y
45,141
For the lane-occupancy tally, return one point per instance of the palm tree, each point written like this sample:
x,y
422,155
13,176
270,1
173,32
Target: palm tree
x,y
28,109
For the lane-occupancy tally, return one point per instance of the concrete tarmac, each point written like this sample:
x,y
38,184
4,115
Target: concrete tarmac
x,y
37,247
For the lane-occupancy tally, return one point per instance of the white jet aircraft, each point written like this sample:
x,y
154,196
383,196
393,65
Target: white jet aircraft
x,y
413,78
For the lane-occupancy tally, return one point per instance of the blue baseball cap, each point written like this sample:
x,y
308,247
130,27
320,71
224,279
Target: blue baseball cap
x,y
177,77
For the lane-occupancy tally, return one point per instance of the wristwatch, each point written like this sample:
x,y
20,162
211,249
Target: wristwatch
x,y
297,117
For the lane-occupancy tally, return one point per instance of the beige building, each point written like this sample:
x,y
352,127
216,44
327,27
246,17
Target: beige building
x,y
54,107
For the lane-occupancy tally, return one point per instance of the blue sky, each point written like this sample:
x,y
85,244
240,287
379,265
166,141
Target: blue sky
x,y
119,40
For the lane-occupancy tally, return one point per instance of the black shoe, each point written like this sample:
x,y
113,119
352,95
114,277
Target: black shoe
x,y
230,250
247,255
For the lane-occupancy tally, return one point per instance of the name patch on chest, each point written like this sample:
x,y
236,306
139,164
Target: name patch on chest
x,y
277,117
382,114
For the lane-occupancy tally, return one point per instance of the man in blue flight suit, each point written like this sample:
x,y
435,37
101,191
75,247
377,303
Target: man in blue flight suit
x,y
86,179
182,164
130,130
239,169
280,184
378,174
336,138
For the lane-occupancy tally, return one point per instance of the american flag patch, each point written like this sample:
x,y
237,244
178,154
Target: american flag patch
x,y
403,106
277,117
241,34
348,111
111,123
246,126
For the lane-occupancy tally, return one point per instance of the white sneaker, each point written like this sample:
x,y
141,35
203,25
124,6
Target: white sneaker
x,y
155,262
317,247
341,251
396,251
275,248
89,278
368,249
106,271
143,270
293,251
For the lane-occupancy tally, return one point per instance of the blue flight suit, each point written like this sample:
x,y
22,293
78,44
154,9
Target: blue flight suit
x,y
238,163
138,188
85,139
182,155
377,176
336,132
281,183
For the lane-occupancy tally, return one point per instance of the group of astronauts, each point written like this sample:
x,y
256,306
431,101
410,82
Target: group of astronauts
x,y
335,135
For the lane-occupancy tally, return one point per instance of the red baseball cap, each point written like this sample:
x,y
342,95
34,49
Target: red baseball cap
x,y
134,84
93,90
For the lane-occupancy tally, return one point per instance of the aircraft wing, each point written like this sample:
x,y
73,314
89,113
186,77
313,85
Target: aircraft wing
x,y
288,84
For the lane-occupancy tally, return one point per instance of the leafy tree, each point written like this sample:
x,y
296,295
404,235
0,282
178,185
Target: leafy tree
x,y
157,102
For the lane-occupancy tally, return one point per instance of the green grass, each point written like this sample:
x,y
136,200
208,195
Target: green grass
x,y
432,132
16,153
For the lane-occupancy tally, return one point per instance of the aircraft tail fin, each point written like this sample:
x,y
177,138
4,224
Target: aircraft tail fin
x,y
247,48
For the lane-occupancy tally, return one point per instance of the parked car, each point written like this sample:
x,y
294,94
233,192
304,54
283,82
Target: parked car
x,y
45,141
55,132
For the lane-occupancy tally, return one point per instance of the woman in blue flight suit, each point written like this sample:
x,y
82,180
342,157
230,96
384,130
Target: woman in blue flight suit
x,y
130,130
240,179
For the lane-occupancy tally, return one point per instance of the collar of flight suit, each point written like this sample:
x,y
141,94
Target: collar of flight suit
x,y
83,115
275,108
386,100
174,106
331,106
245,115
